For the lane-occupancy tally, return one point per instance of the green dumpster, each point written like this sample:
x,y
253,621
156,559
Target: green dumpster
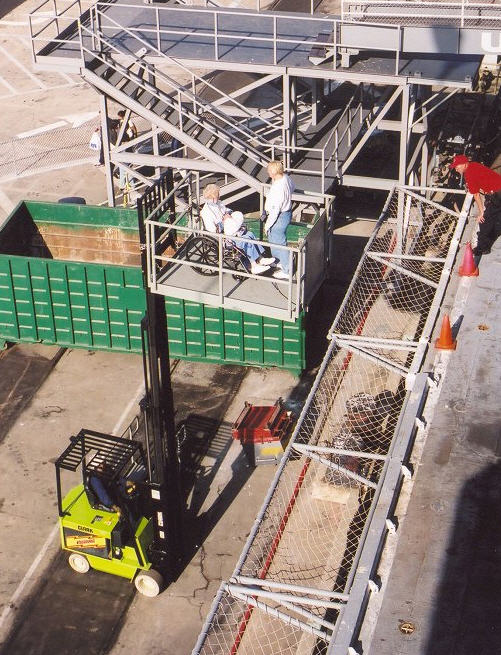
x,y
70,275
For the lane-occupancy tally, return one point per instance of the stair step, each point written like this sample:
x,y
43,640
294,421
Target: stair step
x,y
234,156
262,175
222,148
250,166
129,87
111,76
204,136
144,97
160,108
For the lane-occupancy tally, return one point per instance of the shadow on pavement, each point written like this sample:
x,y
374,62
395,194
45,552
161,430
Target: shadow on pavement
x,y
8,5
468,602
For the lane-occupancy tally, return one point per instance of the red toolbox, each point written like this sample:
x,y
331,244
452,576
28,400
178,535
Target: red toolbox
x,y
263,431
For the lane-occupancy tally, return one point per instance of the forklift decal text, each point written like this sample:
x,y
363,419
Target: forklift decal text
x,y
86,542
84,529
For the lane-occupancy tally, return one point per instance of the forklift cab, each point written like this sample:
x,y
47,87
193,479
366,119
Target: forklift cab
x,y
105,520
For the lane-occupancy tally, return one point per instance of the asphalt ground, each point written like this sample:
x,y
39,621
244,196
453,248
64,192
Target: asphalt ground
x,y
47,394
59,611
442,596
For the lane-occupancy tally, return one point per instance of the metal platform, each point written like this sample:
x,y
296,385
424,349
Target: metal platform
x,y
262,42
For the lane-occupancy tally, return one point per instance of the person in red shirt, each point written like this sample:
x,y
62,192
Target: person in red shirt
x,y
485,185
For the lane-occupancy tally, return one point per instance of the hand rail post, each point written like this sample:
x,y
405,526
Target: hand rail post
x,y
220,267
275,40
157,16
216,47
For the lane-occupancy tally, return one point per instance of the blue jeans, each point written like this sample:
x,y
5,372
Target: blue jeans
x,y
277,234
252,250
123,176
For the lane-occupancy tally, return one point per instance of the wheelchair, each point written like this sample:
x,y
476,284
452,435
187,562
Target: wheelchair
x,y
204,249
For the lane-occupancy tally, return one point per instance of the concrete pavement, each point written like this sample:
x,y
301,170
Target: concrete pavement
x,y
442,595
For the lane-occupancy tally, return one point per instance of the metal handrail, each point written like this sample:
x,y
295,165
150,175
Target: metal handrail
x,y
158,232
273,17
249,150
457,13
230,138
194,76
50,21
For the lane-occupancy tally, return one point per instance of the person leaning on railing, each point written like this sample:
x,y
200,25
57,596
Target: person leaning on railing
x,y
277,216
485,185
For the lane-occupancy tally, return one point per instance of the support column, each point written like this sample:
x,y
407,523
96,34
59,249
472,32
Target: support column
x,y
402,166
404,135
106,145
155,129
293,101
317,97
287,116
290,116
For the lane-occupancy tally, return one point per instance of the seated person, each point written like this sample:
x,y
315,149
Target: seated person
x,y
99,486
215,215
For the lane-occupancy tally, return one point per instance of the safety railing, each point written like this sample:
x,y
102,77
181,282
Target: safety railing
x,y
264,32
215,260
305,575
311,161
102,21
431,12
177,96
55,16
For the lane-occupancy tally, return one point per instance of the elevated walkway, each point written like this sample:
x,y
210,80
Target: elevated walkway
x,y
244,40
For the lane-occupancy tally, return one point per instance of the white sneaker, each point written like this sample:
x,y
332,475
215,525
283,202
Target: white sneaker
x,y
257,269
280,275
267,261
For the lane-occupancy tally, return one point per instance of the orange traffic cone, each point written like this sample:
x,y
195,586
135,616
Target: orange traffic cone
x,y
445,341
468,268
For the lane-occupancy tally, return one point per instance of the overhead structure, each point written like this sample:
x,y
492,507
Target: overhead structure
x,y
316,101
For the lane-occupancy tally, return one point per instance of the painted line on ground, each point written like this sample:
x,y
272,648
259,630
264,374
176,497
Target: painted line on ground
x,y
23,68
40,130
9,86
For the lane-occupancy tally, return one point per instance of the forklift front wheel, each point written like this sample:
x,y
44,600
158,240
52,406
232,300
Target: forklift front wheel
x,y
149,583
78,563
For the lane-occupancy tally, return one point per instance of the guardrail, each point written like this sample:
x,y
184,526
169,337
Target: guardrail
x,y
167,274
306,572
61,16
432,12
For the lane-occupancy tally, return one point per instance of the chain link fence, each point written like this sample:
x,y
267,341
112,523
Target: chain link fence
x,y
60,148
460,13
51,150
295,578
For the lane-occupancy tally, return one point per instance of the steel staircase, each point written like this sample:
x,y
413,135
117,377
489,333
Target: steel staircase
x,y
241,148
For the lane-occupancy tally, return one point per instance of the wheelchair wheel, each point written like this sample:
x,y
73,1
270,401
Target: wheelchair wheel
x,y
236,260
202,250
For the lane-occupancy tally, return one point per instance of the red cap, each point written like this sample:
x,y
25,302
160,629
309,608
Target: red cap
x,y
458,160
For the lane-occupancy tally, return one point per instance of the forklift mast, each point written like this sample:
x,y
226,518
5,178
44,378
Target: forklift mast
x,y
162,451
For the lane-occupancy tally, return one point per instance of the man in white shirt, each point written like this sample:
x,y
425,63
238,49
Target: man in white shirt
x,y
278,207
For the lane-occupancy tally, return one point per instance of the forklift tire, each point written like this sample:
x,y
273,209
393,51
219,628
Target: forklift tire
x,y
78,563
149,583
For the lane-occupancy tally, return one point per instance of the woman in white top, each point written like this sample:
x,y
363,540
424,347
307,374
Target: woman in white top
x,y
278,207
217,217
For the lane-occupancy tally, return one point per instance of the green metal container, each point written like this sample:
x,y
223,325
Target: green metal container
x,y
70,275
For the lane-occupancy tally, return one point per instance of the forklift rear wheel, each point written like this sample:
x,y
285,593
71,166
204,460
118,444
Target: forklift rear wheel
x,y
78,563
149,583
